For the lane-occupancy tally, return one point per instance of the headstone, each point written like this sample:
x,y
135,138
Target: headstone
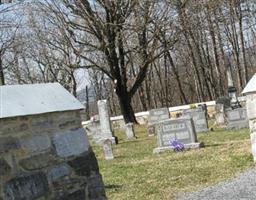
x,y
107,148
95,129
237,118
220,115
156,115
105,123
181,129
199,117
129,129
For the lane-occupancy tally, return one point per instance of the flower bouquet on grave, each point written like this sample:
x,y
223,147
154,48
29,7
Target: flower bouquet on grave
x,y
178,146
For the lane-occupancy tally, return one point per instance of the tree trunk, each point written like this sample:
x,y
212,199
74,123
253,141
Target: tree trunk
x,y
2,81
126,107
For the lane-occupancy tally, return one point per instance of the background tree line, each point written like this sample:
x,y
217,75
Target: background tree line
x,y
142,54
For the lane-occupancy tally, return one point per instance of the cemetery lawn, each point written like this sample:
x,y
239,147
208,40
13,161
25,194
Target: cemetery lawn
x,y
136,173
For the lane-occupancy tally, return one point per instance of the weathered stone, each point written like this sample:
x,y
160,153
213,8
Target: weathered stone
x,y
253,142
37,162
71,143
8,143
59,171
250,104
77,195
95,188
156,115
5,168
220,115
237,118
129,129
75,123
35,144
13,128
42,123
85,165
107,148
26,187
106,129
199,118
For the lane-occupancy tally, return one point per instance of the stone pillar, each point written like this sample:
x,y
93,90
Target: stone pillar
x,y
250,91
251,112
129,129
105,123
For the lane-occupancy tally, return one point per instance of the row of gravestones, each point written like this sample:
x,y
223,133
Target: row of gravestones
x,y
183,129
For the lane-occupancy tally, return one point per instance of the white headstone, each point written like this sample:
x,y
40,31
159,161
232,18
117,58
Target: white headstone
x,y
107,148
105,124
129,129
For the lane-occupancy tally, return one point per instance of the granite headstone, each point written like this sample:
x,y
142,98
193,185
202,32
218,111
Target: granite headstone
x,y
181,129
199,117
237,118
156,115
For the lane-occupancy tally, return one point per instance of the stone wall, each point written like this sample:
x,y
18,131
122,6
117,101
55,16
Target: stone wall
x,y
47,156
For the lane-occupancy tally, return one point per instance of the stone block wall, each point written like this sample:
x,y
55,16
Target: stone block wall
x,y
47,157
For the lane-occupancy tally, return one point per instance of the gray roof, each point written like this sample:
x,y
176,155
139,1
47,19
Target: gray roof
x,y
251,86
21,100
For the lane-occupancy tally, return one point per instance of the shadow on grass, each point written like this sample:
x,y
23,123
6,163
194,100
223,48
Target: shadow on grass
x,y
212,145
113,187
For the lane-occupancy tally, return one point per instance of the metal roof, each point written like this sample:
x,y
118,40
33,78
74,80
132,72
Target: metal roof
x,y
251,86
32,99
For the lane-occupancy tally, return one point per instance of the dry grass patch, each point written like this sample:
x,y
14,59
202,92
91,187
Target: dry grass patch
x,y
136,173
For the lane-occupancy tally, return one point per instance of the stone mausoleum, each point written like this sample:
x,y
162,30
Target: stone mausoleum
x,y
44,151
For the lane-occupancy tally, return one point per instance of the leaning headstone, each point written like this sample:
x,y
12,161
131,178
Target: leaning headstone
x,y
129,129
181,129
105,124
156,115
199,117
107,148
237,118
250,91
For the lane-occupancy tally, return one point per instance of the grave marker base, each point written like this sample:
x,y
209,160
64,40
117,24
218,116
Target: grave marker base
x,y
171,148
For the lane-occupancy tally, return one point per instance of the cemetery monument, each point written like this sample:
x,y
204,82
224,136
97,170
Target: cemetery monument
x,y
105,124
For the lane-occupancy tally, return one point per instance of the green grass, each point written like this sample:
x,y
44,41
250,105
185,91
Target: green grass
x,y
136,173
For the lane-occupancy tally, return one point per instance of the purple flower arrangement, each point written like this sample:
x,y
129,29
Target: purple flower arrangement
x,y
178,146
